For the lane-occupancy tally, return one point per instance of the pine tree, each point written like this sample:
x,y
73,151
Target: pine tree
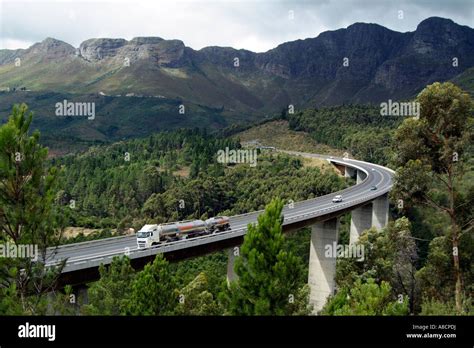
x,y
195,298
107,295
28,213
267,274
366,298
152,291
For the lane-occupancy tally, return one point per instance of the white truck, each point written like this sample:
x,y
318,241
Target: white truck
x,y
150,235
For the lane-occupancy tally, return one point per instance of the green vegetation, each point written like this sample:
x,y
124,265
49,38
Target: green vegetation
x,y
28,213
116,118
358,129
428,259
390,258
175,175
466,80
124,180
156,290
142,184
196,299
430,157
268,276
277,133
106,296
366,299
109,191
271,282
152,290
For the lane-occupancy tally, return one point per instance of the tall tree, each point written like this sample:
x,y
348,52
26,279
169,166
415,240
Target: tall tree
x,y
430,159
28,213
366,298
390,256
108,295
267,274
153,290
195,298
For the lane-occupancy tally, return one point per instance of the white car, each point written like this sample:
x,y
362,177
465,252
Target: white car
x,y
337,199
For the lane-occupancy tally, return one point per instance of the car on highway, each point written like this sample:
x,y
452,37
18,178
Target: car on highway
x,y
337,199
373,188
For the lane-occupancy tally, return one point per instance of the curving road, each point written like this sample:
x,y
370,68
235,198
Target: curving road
x,y
85,255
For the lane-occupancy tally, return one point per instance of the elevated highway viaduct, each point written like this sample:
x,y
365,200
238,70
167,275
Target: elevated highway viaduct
x,y
368,208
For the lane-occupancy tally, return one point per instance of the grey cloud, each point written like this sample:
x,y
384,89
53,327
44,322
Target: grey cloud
x,y
254,25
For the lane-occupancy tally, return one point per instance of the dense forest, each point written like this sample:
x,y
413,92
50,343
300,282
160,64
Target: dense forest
x,y
425,215
129,183
174,175
357,128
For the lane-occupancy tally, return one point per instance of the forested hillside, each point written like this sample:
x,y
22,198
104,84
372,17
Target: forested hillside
x,y
359,129
174,176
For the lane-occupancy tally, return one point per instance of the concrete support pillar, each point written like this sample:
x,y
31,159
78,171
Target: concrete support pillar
x,y
50,300
82,295
361,220
322,267
232,254
360,176
349,172
380,212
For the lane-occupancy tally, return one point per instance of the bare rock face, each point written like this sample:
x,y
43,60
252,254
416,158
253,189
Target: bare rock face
x,y
226,58
98,49
361,63
51,49
169,53
438,35
146,40
9,56
428,55
276,69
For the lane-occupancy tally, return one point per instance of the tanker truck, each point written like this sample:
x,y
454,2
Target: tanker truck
x,y
150,235
218,223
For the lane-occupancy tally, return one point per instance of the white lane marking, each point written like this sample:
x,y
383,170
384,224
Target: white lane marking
x,y
350,196
299,213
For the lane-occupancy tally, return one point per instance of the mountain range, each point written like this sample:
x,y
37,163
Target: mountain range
x,y
363,63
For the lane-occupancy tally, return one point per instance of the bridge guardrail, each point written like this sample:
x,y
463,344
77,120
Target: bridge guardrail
x,y
232,233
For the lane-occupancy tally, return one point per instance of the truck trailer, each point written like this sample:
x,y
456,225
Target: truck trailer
x,y
150,235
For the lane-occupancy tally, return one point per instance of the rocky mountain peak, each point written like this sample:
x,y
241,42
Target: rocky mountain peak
x,y
98,49
434,23
361,63
146,40
436,34
51,48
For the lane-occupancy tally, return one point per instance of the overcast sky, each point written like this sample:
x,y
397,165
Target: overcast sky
x,y
253,25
